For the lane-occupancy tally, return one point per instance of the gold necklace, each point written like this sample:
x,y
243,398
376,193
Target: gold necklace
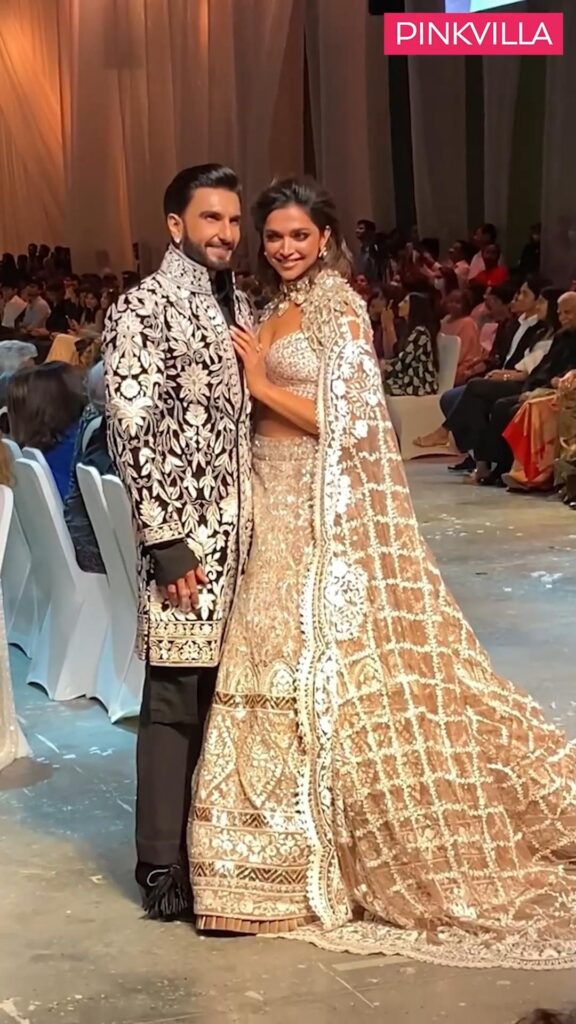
x,y
293,294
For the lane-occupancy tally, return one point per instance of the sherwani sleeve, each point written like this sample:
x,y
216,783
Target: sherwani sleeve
x,y
134,358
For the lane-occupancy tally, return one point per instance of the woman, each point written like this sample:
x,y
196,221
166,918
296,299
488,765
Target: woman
x,y
91,450
459,324
533,437
366,781
414,371
44,409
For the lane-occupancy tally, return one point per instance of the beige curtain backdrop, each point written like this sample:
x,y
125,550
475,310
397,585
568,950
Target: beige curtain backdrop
x,y
438,106
558,186
349,107
500,90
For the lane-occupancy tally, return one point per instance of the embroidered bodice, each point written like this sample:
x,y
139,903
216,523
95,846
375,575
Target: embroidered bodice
x,y
293,363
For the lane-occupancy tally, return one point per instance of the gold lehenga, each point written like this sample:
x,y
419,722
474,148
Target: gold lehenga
x,y
363,765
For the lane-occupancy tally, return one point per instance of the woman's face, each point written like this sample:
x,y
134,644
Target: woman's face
x,y
541,307
404,308
454,305
497,309
92,301
292,242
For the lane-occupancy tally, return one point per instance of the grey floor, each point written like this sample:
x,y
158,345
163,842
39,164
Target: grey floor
x,y
73,946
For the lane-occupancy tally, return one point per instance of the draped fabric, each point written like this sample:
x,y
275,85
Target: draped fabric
x,y
348,82
438,109
500,90
102,101
558,206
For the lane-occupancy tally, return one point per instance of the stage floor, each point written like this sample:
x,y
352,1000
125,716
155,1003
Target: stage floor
x,y
74,949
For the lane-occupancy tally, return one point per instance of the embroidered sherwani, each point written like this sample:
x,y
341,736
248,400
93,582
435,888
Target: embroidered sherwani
x,y
178,415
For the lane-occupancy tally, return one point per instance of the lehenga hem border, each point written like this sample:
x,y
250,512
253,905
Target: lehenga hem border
x,y
243,926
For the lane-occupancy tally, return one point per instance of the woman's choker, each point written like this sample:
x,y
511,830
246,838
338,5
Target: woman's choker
x,y
294,293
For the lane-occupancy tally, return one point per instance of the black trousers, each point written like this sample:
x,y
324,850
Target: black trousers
x,y
175,704
492,447
471,417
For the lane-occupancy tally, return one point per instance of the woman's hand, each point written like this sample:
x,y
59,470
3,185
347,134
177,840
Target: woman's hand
x,y
566,383
248,348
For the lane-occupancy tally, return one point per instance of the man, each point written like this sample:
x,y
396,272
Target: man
x,y
13,305
178,430
367,261
37,309
57,322
494,274
483,236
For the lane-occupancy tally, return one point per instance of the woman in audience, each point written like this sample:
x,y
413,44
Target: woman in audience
x,y
91,450
414,371
499,302
44,409
459,324
91,322
533,437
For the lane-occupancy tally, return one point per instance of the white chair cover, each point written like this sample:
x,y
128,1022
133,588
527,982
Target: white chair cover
x,y
12,741
73,630
121,516
21,598
35,455
121,678
414,417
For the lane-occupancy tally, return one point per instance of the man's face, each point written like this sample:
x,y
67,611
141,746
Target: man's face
x,y
360,231
567,311
209,229
8,293
32,292
525,302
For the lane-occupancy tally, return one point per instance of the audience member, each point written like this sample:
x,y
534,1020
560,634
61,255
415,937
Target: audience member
x,y
13,304
494,272
499,302
44,409
366,262
414,371
8,269
471,413
533,436
565,463
37,309
483,236
91,450
493,455
459,261
529,262
458,323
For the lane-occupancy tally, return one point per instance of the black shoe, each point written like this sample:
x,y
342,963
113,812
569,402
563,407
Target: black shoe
x,y
166,892
494,479
468,465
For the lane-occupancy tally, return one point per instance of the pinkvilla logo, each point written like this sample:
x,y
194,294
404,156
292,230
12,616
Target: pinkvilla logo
x,y
441,35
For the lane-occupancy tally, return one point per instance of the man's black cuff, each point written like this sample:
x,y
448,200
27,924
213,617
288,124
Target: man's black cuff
x,y
172,561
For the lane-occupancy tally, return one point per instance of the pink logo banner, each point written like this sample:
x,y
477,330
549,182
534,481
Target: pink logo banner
x,y
484,35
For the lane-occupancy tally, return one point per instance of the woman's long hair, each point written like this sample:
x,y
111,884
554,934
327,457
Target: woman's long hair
x,y
43,402
319,205
421,314
551,325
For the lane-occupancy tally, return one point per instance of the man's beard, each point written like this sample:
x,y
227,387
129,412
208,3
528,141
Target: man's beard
x,y
199,255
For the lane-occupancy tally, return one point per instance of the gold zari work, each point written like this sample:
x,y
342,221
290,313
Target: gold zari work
x,y
363,764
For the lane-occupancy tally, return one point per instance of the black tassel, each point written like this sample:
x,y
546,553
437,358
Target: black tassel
x,y
170,899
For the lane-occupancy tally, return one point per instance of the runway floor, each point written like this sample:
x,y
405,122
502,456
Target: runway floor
x,y
73,946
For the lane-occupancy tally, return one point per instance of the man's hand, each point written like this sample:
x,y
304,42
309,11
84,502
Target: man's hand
x,y
183,593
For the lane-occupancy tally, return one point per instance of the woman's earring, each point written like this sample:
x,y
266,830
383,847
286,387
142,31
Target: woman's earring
x,y
322,254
